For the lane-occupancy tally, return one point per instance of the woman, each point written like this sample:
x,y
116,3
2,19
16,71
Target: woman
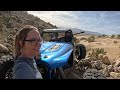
x,y
27,45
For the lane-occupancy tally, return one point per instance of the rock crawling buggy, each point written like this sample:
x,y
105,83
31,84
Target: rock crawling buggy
x,y
57,54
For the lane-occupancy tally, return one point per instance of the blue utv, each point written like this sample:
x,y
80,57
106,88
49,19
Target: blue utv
x,y
57,53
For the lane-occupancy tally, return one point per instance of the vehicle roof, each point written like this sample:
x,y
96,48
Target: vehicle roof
x,y
56,30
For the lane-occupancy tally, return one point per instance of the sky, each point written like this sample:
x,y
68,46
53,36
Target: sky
x,y
104,22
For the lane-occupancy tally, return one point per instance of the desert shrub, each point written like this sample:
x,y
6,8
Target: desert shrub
x,y
118,36
95,52
115,42
99,36
113,36
83,38
104,35
91,39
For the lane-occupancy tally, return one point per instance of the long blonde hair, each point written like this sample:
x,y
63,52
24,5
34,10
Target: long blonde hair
x,y
21,35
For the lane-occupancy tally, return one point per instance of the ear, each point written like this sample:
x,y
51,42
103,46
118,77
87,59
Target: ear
x,y
21,42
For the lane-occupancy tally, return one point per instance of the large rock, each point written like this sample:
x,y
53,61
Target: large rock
x,y
115,75
106,72
3,49
103,65
106,60
117,63
117,69
110,78
97,65
110,68
72,73
117,66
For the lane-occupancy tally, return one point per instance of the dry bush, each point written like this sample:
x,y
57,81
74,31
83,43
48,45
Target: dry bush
x,y
104,35
91,39
112,36
118,36
115,42
99,36
83,38
95,52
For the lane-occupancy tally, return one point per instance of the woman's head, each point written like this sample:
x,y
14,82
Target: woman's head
x,y
27,41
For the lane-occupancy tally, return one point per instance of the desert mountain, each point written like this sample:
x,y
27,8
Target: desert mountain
x,y
12,21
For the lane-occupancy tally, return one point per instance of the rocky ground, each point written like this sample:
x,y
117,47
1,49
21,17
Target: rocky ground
x,y
95,64
108,69
108,64
103,52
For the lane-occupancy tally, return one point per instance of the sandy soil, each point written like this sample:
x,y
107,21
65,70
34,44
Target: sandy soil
x,y
111,46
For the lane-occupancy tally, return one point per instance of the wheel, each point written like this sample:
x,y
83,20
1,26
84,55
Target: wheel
x,y
93,74
6,69
80,51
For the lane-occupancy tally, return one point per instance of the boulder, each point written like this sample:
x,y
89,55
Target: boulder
x,y
117,69
117,63
106,60
110,68
115,75
106,72
97,65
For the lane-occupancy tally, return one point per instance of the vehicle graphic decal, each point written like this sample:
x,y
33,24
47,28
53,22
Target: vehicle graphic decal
x,y
55,47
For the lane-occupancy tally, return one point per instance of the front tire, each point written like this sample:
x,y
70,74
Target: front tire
x,y
80,51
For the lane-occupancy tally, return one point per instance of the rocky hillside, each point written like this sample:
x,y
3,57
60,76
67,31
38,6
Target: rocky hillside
x,y
11,22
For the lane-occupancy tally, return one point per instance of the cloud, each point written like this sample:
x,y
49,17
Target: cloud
x,y
107,22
